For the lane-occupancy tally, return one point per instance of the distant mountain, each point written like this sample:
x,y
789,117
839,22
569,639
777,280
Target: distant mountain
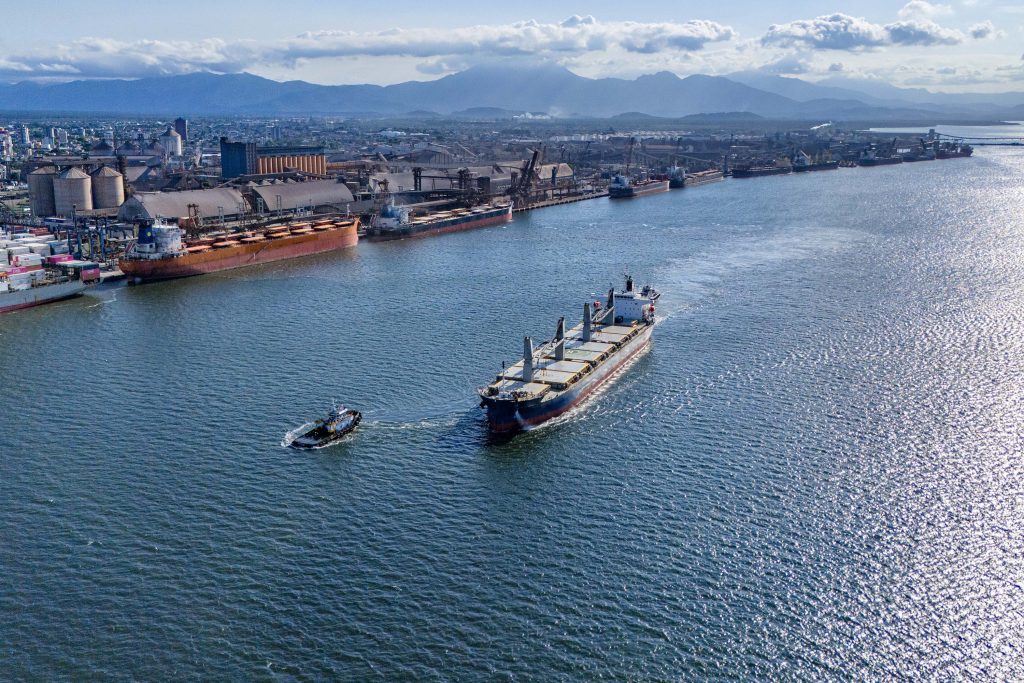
x,y
499,91
914,101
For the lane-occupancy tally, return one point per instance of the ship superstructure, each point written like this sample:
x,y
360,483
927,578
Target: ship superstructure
x,y
560,373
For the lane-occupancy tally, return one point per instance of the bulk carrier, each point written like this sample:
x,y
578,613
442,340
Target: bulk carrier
x,y
563,372
162,253
702,178
622,187
758,171
396,222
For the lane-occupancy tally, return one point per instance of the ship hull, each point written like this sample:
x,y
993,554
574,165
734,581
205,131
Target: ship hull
x,y
38,296
653,187
887,161
442,228
506,417
824,166
758,172
214,260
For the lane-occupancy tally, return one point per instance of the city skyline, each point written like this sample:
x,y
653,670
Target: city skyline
x,y
955,47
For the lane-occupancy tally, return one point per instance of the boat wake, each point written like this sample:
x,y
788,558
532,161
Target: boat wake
x,y
290,436
689,280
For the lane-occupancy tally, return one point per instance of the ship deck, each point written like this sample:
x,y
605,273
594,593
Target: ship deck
x,y
580,359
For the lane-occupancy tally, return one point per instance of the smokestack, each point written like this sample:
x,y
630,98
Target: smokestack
x,y
527,359
586,322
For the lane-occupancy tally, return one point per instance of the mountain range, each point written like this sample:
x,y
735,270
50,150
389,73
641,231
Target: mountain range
x,y
515,88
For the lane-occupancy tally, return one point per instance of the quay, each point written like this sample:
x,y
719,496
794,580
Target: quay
x,y
544,203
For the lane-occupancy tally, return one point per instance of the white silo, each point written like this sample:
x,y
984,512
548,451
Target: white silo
x,y
72,188
40,191
107,188
171,142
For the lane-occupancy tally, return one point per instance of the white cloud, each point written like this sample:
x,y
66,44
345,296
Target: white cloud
x,y
844,32
916,9
985,29
97,57
922,32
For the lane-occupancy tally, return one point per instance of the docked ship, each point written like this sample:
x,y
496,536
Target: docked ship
x,y
22,287
953,151
563,372
871,157
702,178
396,222
758,171
923,152
676,178
162,253
803,163
622,187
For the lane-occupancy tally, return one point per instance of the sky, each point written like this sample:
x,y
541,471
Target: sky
x,y
955,46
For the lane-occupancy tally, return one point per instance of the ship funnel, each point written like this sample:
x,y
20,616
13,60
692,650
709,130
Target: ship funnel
x,y
560,340
527,359
587,323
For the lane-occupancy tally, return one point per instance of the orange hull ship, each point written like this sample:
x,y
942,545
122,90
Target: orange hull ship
x,y
161,254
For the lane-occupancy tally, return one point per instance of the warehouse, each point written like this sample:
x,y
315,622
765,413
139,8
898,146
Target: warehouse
x,y
220,201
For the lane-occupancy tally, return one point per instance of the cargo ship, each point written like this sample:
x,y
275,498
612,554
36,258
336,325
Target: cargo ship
x,y
676,178
59,279
396,222
953,151
162,253
563,372
871,157
702,178
622,187
758,171
803,164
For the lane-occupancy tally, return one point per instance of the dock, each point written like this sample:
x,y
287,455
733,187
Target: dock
x,y
544,203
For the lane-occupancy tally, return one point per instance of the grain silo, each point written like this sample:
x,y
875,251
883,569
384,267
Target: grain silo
x,y
72,188
40,191
171,142
107,188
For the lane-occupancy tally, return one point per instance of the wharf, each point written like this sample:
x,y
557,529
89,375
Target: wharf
x,y
559,200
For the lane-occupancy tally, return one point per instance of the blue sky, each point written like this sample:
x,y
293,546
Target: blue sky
x,y
957,45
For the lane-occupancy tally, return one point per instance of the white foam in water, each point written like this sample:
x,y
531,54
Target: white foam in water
x,y
293,434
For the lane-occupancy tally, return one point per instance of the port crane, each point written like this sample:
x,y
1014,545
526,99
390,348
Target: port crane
x,y
519,188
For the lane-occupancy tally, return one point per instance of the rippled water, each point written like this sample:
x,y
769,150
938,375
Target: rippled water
x,y
815,472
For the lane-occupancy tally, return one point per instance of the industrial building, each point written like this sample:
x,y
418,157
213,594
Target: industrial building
x,y
220,202
318,196
245,158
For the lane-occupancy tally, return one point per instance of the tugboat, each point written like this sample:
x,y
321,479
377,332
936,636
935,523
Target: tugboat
x,y
339,422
